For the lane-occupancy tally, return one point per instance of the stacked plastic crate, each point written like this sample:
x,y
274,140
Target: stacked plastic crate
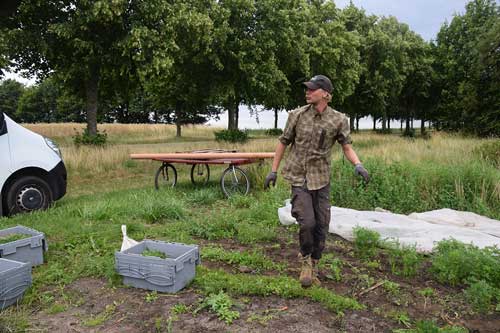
x,y
17,256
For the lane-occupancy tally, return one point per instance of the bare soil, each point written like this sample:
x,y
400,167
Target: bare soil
x,y
126,309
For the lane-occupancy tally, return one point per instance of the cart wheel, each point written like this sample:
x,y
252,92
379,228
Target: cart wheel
x,y
166,176
234,181
200,174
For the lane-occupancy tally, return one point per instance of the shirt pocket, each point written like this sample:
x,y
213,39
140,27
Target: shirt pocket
x,y
326,139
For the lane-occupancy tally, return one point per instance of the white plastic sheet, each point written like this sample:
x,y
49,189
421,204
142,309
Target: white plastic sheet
x,y
420,229
127,242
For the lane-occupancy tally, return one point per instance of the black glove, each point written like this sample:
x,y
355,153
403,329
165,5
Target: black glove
x,y
271,178
360,170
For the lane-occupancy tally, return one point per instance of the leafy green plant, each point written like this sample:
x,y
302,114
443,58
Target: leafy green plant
x,y
233,135
365,242
154,253
480,295
85,138
427,326
12,238
391,287
427,292
151,297
455,263
221,305
404,260
253,259
400,317
179,308
333,267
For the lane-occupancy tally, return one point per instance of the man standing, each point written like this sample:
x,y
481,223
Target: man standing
x,y
312,130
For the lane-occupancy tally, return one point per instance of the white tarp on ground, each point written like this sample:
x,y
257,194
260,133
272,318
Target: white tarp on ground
x,y
420,229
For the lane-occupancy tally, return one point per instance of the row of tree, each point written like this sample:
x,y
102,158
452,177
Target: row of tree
x,y
184,61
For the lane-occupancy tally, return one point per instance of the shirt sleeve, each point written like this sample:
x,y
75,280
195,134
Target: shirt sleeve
x,y
343,136
288,135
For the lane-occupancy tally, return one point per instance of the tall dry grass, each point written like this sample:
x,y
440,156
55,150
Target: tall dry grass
x,y
123,133
109,166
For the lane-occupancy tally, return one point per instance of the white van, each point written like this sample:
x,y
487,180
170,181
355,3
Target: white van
x,y
32,172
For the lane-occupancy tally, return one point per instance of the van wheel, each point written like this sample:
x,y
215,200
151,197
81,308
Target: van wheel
x,y
27,194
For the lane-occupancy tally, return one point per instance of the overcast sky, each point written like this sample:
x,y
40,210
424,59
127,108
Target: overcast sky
x,y
423,16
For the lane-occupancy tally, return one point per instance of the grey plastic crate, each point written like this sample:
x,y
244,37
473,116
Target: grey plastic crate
x,y
28,249
15,278
153,273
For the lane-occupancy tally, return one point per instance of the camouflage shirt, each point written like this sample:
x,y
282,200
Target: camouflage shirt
x,y
312,135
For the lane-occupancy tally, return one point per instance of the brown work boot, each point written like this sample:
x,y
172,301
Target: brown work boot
x,y
315,273
306,272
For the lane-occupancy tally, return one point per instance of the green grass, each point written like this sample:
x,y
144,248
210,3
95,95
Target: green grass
x,y
366,242
406,187
213,281
12,238
254,259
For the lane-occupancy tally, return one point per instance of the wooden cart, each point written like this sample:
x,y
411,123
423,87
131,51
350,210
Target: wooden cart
x,y
233,180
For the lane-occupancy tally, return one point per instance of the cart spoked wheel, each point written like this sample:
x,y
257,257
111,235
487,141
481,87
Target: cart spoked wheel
x,y
234,181
200,174
166,176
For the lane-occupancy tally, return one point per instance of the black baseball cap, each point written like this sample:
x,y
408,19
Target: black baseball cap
x,y
319,81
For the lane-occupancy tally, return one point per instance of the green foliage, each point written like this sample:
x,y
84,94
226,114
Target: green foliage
x,y
213,281
490,152
480,295
456,263
274,131
12,238
468,70
365,242
232,135
427,326
154,253
85,138
11,92
151,297
391,287
254,259
406,187
221,305
332,265
404,260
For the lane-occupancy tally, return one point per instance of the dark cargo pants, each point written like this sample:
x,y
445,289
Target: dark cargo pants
x,y
311,209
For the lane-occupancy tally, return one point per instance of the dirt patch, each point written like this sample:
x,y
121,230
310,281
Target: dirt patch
x,y
101,308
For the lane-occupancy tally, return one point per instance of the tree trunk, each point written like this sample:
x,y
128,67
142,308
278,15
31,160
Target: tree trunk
x,y
401,123
236,115
357,124
178,128
407,125
389,124
91,93
275,118
351,123
231,114
384,122
422,126
178,119
374,123
411,122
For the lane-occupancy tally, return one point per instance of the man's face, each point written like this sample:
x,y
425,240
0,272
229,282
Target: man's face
x,y
313,96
